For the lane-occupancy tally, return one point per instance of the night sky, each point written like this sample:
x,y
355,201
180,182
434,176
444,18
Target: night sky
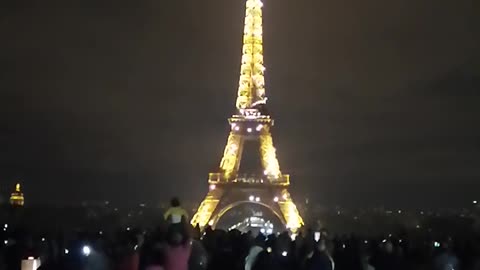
x,y
376,102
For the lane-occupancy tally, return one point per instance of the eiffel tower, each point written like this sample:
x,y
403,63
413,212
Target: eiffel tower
x,y
228,187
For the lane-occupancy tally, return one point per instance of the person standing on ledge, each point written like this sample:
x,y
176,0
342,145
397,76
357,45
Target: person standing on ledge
x,y
176,214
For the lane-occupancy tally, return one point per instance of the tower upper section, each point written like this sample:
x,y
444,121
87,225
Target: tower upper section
x,y
251,89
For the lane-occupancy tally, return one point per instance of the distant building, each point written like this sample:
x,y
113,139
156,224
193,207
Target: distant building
x,y
16,198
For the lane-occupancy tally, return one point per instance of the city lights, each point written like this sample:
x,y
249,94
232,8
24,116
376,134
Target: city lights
x,y
257,199
251,198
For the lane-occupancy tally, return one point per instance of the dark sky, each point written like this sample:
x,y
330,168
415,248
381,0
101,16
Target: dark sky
x,y
376,102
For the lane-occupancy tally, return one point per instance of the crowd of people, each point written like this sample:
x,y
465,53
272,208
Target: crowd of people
x,y
177,246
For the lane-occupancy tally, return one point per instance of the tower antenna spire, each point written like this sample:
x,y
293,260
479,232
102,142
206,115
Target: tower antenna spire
x,y
251,88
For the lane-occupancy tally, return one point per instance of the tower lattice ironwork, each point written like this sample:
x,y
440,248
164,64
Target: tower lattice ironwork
x,y
252,122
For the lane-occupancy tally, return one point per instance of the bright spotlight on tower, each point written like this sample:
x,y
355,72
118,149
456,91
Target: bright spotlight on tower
x,y
275,199
251,198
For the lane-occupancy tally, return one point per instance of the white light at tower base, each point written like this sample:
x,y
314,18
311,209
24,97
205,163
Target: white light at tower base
x,y
251,198
257,199
275,199
249,130
293,236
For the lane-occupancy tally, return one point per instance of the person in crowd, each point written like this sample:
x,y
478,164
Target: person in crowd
x,y
445,259
178,249
254,251
176,214
365,262
319,258
198,258
386,258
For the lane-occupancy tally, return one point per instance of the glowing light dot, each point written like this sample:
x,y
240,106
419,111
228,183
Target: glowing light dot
x,y
249,130
251,198
275,199
213,187
86,250
257,199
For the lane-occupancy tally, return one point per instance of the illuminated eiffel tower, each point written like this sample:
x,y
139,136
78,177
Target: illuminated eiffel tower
x,y
228,188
